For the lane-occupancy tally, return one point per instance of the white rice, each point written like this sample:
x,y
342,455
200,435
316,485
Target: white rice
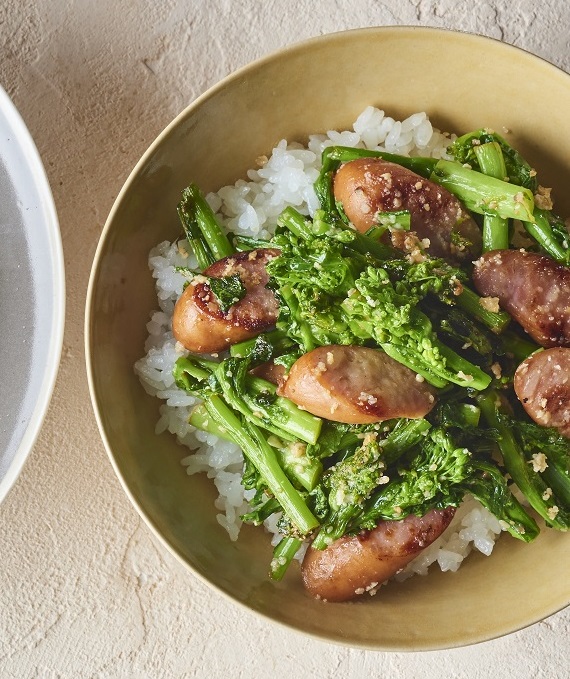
x,y
251,207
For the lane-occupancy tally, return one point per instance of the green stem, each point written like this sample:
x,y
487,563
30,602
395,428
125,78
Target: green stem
x,y
541,231
299,423
296,223
201,419
411,359
192,374
194,236
281,417
474,377
306,470
333,156
244,391
495,228
528,481
482,194
491,160
194,204
263,457
455,368
495,233
246,243
517,346
517,169
468,414
557,475
304,328
283,554
470,302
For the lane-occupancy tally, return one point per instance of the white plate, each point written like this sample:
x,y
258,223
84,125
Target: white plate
x,y
32,293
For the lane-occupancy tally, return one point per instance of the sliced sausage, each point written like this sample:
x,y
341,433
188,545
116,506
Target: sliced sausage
x,y
532,288
356,385
542,384
370,185
354,565
199,323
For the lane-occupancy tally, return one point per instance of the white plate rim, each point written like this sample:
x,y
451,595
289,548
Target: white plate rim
x,y
50,370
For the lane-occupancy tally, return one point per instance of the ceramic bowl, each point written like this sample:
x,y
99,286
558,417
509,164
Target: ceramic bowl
x,y
464,82
32,293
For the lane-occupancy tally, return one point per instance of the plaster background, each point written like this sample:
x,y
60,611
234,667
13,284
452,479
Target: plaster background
x,y
86,590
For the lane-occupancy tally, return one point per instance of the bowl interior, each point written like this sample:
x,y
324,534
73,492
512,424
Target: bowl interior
x,y
463,82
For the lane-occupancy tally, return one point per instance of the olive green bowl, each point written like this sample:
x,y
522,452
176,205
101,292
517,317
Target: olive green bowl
x,y
464,82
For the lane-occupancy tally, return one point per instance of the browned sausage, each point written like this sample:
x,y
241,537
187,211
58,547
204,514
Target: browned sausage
x,y
354,565
532,288
542,384
199,323
356,385
370,185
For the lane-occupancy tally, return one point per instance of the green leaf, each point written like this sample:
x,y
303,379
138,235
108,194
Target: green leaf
x,y
228,290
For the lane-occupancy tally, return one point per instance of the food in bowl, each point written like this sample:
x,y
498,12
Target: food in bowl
x,y
357,388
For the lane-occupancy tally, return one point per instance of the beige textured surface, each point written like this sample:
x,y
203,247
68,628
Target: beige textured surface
x,y
86,590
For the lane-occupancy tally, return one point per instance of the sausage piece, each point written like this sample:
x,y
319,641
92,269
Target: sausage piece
x,y
199,323
542,384
354,565
532,288
356,385
370,185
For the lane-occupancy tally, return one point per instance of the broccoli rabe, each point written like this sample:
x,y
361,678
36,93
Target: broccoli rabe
x,y
348,484
205,236
488,152
536,440
518,171
340,499
228,290
229,406
526,473
432,478
331,294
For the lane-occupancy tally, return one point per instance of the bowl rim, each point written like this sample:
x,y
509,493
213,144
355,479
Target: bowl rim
x,y
35,166
142,162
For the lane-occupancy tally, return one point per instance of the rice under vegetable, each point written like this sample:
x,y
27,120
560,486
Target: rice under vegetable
x,y
251,208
